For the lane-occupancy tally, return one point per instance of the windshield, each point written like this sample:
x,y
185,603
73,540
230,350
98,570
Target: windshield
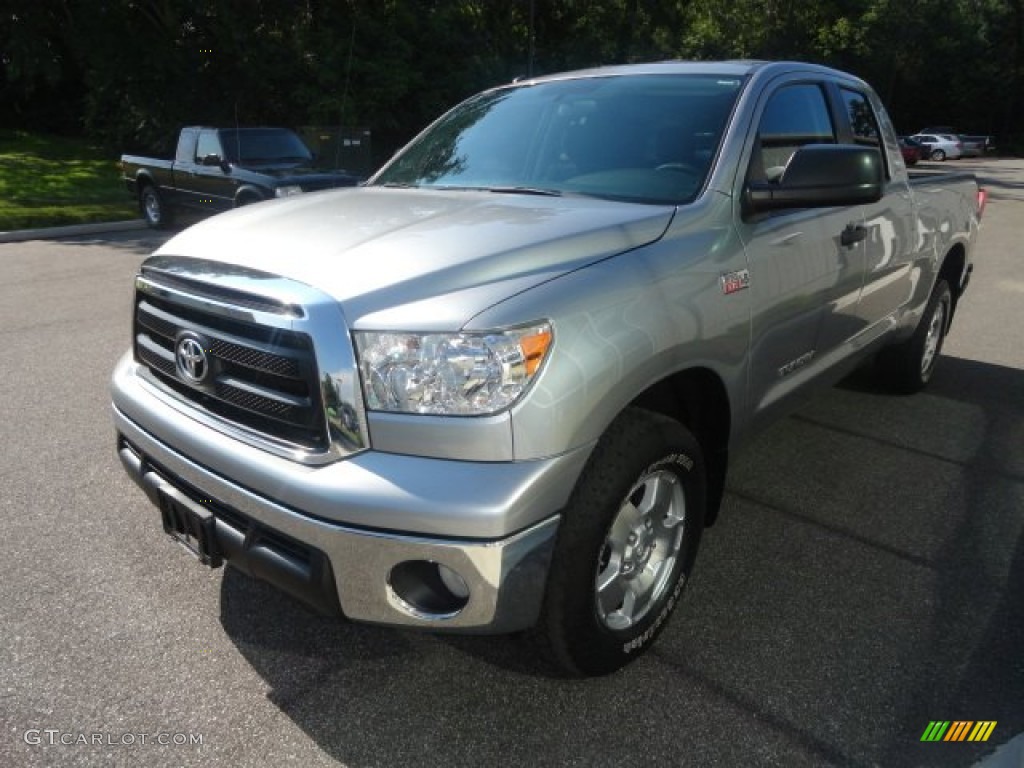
x,y
648,139
255,146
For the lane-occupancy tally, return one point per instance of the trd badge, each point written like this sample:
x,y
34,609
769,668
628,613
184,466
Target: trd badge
x,y
735,281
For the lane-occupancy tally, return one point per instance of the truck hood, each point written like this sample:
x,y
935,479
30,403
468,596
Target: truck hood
x,y
303,175
417,259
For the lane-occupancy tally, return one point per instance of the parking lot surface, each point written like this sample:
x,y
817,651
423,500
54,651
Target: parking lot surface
x,y
865,578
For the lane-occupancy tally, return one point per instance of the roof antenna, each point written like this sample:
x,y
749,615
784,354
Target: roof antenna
x,y
344,94
238,138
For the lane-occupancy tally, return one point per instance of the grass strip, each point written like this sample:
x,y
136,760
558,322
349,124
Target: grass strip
x,y
54,180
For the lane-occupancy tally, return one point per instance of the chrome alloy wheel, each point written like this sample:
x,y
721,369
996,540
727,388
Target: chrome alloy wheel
x,y
933,339
641,549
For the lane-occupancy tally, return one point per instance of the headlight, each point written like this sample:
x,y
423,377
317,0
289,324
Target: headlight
x,y
463,374
288,190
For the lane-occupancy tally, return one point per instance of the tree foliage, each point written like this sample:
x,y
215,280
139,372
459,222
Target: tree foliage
x,y
132,71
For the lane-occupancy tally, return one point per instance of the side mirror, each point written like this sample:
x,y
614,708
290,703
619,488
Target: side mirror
x,y
821,176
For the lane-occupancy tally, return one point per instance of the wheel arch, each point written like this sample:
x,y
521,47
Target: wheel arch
x,y
247,194
699,400
144,177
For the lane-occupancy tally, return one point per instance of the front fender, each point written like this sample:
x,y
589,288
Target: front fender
x,y
625,324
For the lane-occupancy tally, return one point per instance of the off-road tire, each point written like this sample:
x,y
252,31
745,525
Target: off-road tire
x,y
640,454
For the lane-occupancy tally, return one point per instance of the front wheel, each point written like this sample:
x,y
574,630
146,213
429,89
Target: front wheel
x,y
939,155
908,367
627,543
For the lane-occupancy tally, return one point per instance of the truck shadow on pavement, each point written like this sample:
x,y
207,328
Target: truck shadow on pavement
x,y
864,579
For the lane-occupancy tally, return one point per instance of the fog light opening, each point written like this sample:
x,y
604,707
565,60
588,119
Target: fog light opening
x,y
428,590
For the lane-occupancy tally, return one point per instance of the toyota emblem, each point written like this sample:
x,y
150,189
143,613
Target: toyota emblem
x,y
193,364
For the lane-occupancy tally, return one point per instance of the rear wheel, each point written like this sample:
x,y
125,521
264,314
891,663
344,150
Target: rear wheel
x,y
908,367
626,546
153,209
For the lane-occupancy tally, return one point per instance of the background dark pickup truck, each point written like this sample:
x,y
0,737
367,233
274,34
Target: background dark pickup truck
x,y
215,169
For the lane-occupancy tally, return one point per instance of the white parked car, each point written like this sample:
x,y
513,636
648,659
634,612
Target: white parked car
x,y
941,146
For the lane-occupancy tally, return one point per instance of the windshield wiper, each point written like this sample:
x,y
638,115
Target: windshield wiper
x,y
457,188
524,191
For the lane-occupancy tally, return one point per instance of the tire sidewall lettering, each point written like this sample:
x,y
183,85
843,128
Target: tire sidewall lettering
x,y
636,446
683,464
677,460
648,634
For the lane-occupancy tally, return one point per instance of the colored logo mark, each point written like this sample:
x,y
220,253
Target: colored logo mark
x,y
958,730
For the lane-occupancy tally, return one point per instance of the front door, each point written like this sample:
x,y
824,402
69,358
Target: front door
x,y
805,274
215,185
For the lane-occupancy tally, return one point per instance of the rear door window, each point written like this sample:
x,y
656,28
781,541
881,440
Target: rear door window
x,y
864,125
862,118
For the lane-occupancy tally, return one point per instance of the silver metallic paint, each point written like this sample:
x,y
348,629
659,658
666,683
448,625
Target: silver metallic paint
x,y
633,295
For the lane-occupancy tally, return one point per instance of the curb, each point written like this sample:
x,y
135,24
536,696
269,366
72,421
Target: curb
x,y
72,230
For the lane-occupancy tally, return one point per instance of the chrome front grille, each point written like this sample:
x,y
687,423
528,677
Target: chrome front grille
x,y
258,377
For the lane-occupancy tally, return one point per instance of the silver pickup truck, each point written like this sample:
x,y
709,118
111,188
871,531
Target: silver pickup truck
x,y
495,388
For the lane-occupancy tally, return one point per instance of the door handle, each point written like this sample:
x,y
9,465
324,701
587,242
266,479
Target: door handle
x,y
853,234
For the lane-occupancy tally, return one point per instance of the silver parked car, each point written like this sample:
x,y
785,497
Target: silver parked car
x,y
941,146
973,146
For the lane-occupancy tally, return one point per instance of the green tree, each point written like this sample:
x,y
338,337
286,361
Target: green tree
x,y
133,71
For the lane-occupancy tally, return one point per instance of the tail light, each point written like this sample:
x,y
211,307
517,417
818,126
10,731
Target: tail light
x,y
982,200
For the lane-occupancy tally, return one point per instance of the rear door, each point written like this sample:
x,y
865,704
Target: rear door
x,y
892,238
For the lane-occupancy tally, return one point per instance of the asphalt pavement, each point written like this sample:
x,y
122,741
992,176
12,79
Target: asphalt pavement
x,y
865,579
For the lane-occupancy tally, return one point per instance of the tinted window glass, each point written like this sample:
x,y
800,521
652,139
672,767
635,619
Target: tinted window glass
x,y
794,115
797,112
646,139
862,117
208,145
254,146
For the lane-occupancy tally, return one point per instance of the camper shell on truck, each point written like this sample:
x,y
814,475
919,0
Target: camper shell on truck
x,y
497,387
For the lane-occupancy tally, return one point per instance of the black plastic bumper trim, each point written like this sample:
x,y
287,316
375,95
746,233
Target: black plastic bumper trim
x,y
296,568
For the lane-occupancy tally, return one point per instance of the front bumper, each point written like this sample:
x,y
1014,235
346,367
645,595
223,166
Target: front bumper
x,y
336,568
315,552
